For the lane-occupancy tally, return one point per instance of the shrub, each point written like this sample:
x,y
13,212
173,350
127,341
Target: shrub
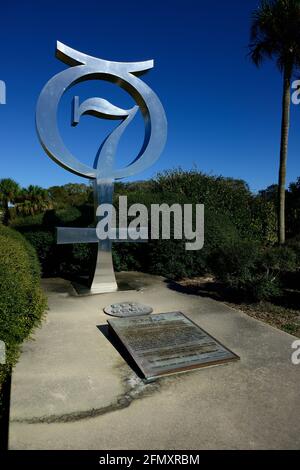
x,y
278,259
27,221
41,233
44,244
231,213
234,263
294,245
61,217
252,216
253,272
169,257
22,301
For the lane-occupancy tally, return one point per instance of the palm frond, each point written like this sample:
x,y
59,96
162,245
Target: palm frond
x,y
275,33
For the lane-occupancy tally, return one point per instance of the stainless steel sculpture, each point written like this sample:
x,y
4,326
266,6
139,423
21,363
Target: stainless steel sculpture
x,y
84,67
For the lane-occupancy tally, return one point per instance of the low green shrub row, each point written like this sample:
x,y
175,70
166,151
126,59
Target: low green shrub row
x,y
22,301
252,271
240,231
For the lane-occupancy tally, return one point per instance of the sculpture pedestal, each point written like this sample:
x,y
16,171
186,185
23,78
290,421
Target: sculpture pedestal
x,y
103,288
104,279
124,281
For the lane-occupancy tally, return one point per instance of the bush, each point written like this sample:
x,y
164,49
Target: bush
x,y
27,221
22,301
44,244
231,213
251,271
251,215
294,245
64,260
169,257
61,217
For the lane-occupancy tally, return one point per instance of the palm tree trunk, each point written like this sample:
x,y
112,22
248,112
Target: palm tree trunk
x,y
285,125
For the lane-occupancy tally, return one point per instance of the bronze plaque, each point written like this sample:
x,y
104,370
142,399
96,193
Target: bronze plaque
x,y
168,343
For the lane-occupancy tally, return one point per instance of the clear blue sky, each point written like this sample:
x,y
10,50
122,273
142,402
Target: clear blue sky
x,y
223,113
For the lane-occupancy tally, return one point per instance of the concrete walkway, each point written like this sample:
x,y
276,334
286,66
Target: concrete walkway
x,y
73,390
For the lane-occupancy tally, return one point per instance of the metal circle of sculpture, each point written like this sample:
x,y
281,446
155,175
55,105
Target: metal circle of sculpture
x,y
84,67
128,309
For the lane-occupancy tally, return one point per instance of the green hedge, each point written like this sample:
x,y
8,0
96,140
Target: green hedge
x,y
252,271
22,301
232,213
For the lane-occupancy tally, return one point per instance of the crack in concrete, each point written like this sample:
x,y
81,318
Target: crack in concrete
x,y
135,388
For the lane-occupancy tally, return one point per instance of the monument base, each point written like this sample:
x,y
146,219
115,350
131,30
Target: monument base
x,y
125,281
82,289
103,288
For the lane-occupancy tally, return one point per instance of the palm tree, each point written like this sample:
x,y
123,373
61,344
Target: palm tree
x,y
9,191
33,200
275,34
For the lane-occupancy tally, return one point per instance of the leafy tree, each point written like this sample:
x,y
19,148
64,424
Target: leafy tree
x,y
9,191
275,34
71,194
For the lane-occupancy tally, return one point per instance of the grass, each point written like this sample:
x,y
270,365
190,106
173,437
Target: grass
x,y
282,313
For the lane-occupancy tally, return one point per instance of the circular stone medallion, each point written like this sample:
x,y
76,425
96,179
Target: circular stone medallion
x,y
127,309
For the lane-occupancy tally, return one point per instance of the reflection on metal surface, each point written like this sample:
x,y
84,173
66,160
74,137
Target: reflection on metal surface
x,y
84,67
67,235
168,343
